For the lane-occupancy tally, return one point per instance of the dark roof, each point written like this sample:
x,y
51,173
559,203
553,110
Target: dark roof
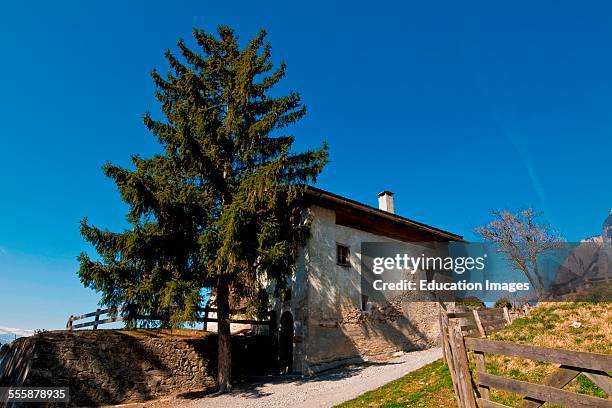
x,y
326,196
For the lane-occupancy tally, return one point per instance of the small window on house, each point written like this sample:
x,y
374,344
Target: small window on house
x,y
342,255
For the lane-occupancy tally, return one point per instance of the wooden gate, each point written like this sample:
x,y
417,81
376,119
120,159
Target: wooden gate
x,y
458,338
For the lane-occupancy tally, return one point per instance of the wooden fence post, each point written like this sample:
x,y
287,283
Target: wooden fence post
x,y
448,355
69,323
462,368
205,324
507,315
97,319
481,368
478,323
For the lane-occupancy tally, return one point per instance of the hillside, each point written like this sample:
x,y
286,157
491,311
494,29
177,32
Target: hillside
x,y
571,326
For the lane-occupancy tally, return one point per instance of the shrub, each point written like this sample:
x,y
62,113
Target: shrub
x,y
470,301
502,302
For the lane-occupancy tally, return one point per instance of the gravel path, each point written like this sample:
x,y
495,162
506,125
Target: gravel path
x,y
323,390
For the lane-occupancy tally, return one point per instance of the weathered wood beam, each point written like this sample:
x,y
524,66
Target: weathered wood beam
x,y
602,380
592,361
480,366
557,379
478,323
543,392
462,369
483,403
448,355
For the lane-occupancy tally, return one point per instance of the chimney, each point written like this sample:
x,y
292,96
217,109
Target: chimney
x,y
385,201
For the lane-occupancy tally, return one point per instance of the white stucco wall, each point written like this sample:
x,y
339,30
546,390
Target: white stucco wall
x,y
327,337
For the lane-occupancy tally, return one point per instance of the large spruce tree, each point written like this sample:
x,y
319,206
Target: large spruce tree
x,y
220,207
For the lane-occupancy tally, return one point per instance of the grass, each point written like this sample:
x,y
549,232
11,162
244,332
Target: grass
x,y
430,386
548,326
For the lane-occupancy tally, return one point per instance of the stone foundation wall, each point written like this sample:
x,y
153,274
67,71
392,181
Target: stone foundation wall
x,y
116,366
365,336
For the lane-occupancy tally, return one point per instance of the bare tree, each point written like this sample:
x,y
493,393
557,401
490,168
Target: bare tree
x,y
522,238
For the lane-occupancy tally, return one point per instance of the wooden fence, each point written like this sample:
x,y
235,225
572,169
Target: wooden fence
x,y
70,325
206,319
457,340
481,322
97,321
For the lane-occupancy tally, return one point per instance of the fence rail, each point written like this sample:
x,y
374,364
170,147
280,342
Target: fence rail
x,y
470,393
70,325
97,321
481,322
593,361
572,363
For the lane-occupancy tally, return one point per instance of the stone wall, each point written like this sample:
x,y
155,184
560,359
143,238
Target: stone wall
x,y
116,366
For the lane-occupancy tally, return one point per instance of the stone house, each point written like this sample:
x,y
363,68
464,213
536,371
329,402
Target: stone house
x,y
324,319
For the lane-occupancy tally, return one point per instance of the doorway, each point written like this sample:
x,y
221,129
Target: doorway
x,y
286,343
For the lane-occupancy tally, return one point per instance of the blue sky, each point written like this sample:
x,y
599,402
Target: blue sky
x,y
458,107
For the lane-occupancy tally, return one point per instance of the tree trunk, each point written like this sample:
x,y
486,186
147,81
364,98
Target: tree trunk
x,y
224,362
532,281
536,272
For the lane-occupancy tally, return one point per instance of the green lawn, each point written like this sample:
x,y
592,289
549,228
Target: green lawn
x,y
547,326
430,386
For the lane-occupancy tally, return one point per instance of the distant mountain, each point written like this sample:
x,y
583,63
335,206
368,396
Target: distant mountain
x,y
8,334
